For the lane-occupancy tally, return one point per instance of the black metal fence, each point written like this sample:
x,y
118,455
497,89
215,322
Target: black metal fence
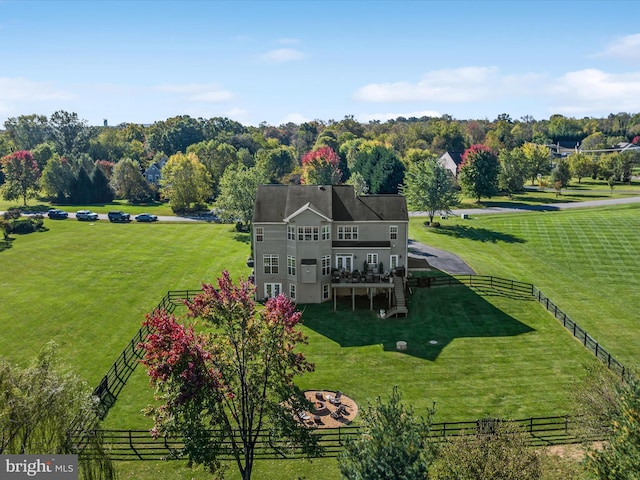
x,y
112,383
140,445
524,291
131,444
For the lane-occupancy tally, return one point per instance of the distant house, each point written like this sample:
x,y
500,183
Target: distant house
x,y
153,173
309,241
451,161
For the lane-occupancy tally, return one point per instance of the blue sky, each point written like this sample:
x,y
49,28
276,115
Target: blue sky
x,y
254,61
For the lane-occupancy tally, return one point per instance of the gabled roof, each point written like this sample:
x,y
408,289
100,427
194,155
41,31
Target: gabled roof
x,y
456,157
306,207
278,203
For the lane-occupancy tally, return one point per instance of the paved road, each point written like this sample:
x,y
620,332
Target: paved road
x,y
550,207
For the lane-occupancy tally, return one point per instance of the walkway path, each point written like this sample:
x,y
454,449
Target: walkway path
x,y
442,260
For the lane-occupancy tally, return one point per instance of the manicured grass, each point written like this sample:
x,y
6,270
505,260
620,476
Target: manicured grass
x,y
585,260
156,208
87,286
576,192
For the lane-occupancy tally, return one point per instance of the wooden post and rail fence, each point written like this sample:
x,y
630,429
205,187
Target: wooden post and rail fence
x,y
130,444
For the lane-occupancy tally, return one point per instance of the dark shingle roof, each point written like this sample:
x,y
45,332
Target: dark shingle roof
x,y
274,203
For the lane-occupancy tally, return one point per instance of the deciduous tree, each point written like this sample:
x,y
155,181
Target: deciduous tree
x,y
21,176
128,183
185,182
479,172
538,160
497,451
512,174
237,197
234,375
320,167
430,187
581,165
57,179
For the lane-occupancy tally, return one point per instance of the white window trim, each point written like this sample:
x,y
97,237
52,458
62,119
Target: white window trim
x,y
259,234
393,232
292,291
291,265
271,257
276,289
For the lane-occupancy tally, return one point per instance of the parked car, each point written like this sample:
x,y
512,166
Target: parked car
x,y
57,214
118,217
86,215
146,217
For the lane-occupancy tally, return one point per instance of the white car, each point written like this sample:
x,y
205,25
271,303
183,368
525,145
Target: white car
x,y
86,215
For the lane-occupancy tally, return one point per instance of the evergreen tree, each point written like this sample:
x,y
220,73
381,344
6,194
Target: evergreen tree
x,y
394,444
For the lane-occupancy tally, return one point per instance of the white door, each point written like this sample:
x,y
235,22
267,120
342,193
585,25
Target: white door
x,y
393,263
272,289
344,262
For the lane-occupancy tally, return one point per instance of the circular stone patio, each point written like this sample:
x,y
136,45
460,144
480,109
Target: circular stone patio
x,y
330,411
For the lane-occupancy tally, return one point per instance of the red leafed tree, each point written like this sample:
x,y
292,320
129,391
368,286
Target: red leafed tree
x,y
636,140
230,380
22,176
320,167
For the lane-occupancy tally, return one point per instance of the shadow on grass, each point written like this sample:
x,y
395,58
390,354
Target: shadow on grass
x,y
478,234
5,244
242,238
436,317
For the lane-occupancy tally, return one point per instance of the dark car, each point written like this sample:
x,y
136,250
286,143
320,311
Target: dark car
x,y
119,217
86,215
57,214
146,217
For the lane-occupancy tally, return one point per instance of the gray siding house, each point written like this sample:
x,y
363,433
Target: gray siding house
x,y
305,237
451,161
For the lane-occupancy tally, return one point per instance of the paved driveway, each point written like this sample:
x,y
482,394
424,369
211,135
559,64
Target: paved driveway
x,y
442,260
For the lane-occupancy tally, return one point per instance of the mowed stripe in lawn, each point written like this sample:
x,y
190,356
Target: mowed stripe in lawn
x,y
88,286
586,261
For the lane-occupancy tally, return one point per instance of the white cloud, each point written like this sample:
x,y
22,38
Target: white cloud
x,y
288,41
198,92
467,84
294,118
593,90
626,48
383,117
25,90
239,115
282,55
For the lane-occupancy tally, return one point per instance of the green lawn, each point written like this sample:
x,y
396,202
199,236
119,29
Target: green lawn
x,y
157,208
87,286
585,260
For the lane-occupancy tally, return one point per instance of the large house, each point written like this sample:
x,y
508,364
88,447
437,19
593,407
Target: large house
x,y
310,240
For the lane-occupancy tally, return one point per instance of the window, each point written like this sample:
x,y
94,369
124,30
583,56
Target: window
x,y
326,232
348,233
292,291
270,263
372,259
325,291
308,234
326,265
259,234
291,232
393,232
272,289
291,265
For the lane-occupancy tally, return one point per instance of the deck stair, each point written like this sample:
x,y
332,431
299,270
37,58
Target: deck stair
x,y
400,302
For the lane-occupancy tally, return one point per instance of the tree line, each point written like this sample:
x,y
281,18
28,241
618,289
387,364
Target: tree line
x,y
64,160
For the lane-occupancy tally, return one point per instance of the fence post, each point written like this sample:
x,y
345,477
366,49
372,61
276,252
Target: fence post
x,y
608,360
531,425
596,349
